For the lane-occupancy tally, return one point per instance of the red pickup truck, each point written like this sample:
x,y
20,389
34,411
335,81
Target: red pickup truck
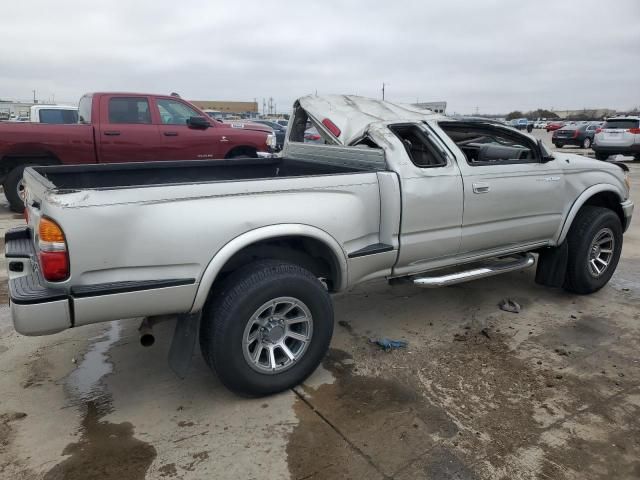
x,y
124,127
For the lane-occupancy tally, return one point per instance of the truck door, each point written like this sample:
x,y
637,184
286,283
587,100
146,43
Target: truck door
x,y
127,132
431,188
183,142
512,198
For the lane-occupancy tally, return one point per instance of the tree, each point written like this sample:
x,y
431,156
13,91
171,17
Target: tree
x,y
514,115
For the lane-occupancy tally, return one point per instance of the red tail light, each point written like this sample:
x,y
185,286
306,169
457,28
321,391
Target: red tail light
x,y
55,265
575,134
335,131
635,131
54,257
598,130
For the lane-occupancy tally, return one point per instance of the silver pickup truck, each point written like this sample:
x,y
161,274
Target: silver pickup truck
x,y
246,252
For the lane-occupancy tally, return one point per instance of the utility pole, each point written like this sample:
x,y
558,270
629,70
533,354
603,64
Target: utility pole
x,y
34,96
382,90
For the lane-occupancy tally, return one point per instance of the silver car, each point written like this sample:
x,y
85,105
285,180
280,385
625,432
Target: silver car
x,y
619,135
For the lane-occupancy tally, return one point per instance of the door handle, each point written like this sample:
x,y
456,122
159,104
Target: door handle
x,y
112,133
481,187
170,134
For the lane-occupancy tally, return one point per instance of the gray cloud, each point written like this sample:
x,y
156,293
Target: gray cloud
x,y
494,55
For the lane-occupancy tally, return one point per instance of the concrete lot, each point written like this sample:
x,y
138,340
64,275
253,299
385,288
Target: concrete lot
x,y
552,392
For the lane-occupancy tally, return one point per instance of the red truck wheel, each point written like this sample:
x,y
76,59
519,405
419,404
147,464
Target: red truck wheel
x,y
13,189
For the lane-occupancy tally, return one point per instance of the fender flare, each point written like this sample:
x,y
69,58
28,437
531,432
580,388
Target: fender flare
x,y
579,203
223,255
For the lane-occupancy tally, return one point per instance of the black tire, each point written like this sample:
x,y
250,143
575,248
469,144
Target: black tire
x,y
11,187
231,308
243,152
558,145
586,143
602,156
587,226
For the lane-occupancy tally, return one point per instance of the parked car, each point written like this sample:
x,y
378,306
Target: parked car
x,y
278,130
619,135
554,126
253,279
520,123
124,127
578,135
540,124
311,135
58,114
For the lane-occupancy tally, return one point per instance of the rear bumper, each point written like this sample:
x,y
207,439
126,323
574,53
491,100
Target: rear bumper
x,y
39,309
617,150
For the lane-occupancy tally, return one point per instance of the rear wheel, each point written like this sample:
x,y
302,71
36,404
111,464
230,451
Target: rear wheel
x,y
14,188
601,156
558,145
267,328
586,143
595,243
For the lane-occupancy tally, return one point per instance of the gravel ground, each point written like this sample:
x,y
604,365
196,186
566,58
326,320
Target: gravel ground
x,y
552,392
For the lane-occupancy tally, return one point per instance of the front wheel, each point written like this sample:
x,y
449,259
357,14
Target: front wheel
x,y
595,243
558,145
586,143
601,156
267,328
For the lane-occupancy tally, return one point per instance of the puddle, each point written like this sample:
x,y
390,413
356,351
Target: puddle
x,y
84,384
105,450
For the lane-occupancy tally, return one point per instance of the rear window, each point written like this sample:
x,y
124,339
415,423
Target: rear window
x,y
418,146
58,116
622,123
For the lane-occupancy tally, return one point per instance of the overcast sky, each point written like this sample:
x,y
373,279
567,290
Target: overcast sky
x,y
494,55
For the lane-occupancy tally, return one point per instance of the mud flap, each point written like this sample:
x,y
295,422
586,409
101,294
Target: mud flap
x,y
183,343
552,266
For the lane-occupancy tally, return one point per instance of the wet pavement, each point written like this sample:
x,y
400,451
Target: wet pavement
x,y
479,393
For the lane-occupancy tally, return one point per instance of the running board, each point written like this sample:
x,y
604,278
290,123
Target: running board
x,y
513,264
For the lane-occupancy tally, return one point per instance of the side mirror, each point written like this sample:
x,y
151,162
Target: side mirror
x,y
545,155
198,122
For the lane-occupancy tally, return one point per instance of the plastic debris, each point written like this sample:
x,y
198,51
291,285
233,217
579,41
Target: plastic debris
x,y
509,305
388,344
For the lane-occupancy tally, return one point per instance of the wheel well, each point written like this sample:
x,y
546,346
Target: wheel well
x,y
9,162
608,200
306,252
243,151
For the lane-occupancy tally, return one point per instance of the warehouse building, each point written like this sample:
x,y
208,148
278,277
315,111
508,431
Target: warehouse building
x,y
228,107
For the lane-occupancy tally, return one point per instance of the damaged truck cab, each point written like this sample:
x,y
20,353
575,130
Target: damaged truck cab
x,y
390,191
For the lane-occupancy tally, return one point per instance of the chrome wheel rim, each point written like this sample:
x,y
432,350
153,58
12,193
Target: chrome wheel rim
x,y
277,335
586,143
601,252
20,189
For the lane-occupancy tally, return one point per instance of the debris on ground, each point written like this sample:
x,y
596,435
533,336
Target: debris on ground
x,y
388,344
509,305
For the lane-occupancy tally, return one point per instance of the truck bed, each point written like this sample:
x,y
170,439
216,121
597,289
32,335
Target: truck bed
x,y
126,175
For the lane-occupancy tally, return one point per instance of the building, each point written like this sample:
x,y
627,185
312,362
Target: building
x,y
435,107
227,107
11,109
589,113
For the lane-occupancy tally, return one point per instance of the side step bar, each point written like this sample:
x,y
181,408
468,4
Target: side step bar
x,y
518,263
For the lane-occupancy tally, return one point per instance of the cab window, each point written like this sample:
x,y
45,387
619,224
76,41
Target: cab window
x,y
129,110
173,112
486,144
416,142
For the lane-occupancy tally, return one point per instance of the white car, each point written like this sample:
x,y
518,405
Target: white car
x,y
619,135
